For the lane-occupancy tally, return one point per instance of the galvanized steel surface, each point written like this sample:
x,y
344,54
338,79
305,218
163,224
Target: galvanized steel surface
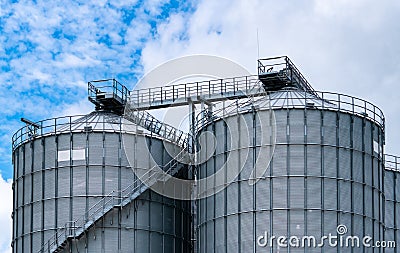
x,y
60,175
327,170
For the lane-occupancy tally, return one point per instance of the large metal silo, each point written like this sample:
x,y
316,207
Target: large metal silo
x,y
271,159
74,188
326,170
392,200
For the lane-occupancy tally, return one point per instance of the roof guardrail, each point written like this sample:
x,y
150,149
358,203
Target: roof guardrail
x,y
328,101
392,162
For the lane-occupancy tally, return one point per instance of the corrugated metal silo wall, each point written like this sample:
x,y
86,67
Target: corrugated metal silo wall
x,y
51,190
392,207
324,172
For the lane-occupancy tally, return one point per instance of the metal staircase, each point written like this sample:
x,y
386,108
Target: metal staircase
x,y
110,95
150,123
116,199
113,96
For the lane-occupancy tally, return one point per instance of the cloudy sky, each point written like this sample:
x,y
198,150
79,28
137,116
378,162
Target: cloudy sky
x,y
50,49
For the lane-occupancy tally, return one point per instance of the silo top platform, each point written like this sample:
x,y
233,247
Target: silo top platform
x,y
279,72
111,95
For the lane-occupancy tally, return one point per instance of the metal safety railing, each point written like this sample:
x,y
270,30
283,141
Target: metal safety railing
x,y
124,105
392,162
108,86
149,122
77,123
284,99
74,229
178,94
59,125
285,68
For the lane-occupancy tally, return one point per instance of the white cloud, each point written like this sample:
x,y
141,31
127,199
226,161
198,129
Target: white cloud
x,y
344,46
49,50
5,215
72,61
79,108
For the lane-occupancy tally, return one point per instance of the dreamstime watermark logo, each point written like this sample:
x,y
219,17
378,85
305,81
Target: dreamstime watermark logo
x,y
152,173
338,239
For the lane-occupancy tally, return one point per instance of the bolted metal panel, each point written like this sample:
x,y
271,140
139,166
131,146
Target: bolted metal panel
x,y
246,232
329,166
358,167
344,130
19,186
281,123
49,183
296,223
79,149
296,154
38,149
246,200
95,180
111,179
79,180
279,166
296,126
368,135
95,148
63,211
232,234
37,186
314,193
50,155
296,194
392,205
232,201
263,201
345,202
344,163
220,235
330,194
111,147
63,184
329,128
279,198
49,212
27,189
37,216
313,126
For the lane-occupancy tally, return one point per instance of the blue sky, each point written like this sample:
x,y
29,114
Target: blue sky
x,y
50,49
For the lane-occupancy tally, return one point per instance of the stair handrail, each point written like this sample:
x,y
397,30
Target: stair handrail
x,y
120,197
164,130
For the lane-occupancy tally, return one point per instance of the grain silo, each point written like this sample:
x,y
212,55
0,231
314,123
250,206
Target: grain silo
x,y
271,157
392,197
75,190
326,169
